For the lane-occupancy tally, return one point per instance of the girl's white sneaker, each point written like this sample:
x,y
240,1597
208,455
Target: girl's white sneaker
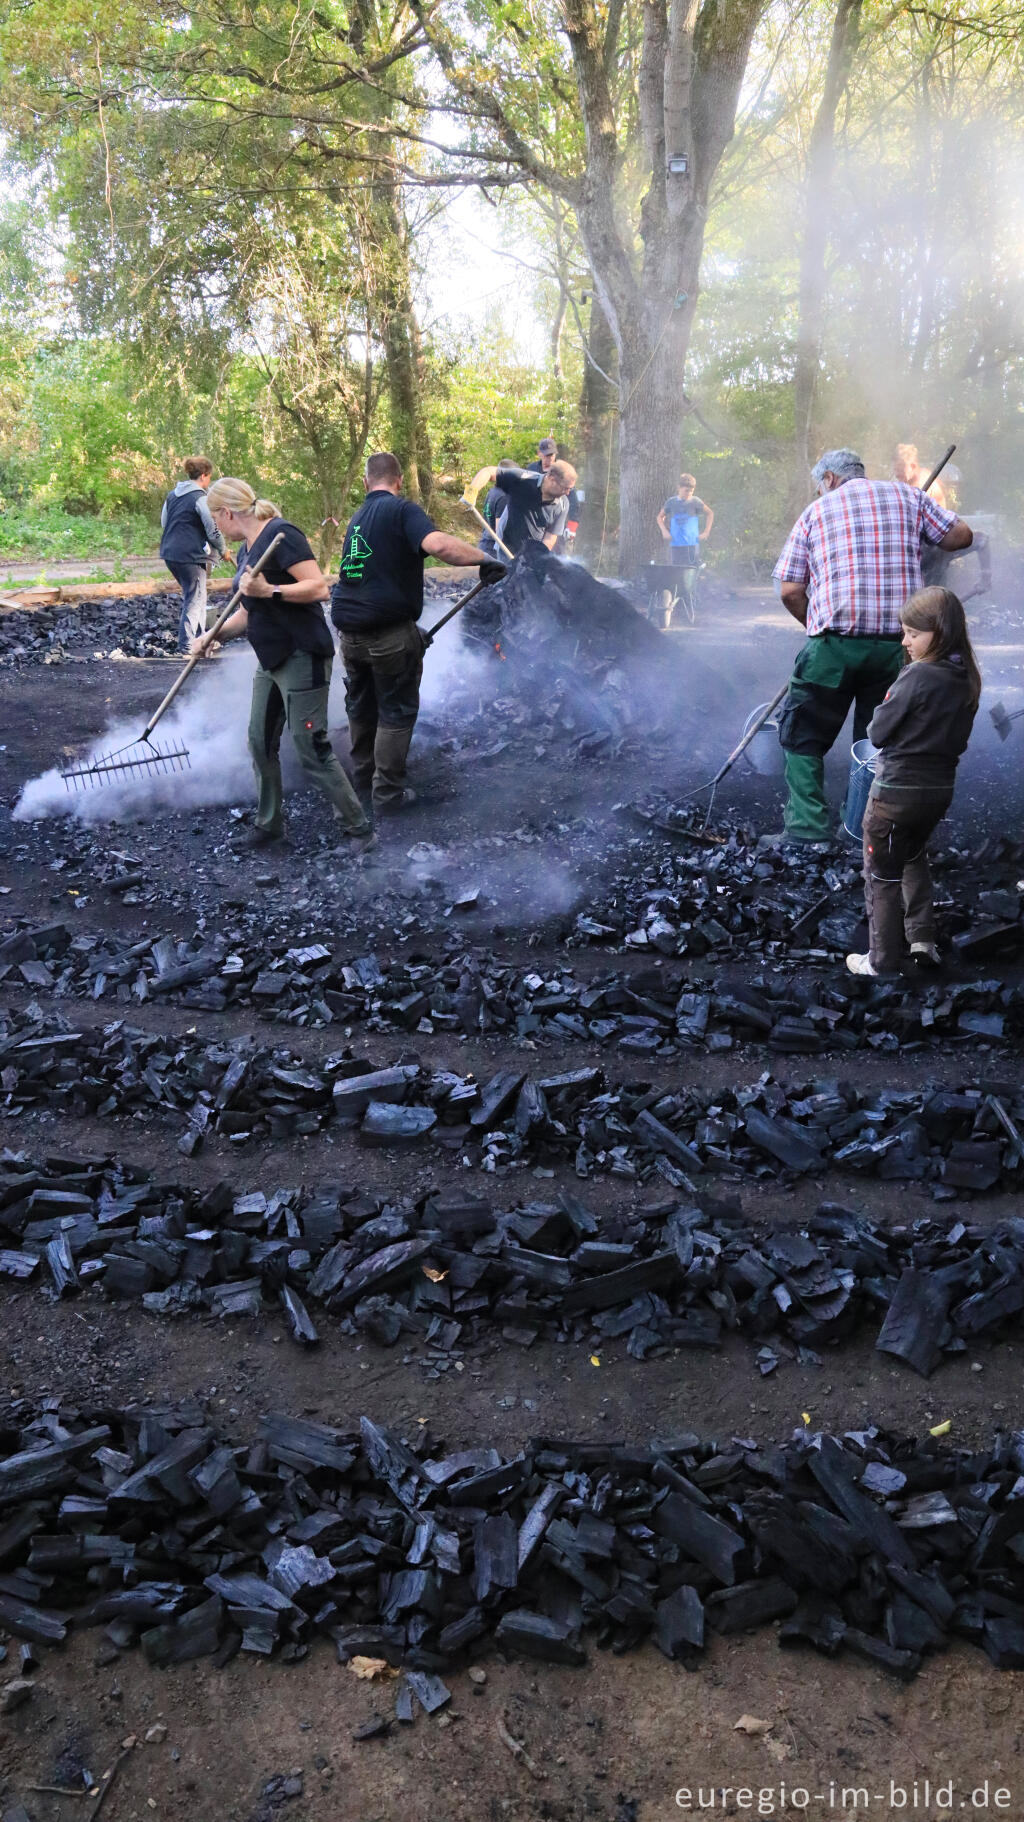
x,y
860,964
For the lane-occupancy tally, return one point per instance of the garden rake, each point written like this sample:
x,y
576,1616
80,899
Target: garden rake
x,y
154,758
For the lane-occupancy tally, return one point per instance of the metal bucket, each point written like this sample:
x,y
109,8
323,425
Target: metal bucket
x,y
764,752
863,759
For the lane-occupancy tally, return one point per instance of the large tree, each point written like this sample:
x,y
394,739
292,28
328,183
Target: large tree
x,y
278,126
654,86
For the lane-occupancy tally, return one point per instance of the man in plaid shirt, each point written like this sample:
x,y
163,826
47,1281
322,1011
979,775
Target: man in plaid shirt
x,y
846,569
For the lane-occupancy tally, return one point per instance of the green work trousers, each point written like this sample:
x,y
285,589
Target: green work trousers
x,y
295,695
832,671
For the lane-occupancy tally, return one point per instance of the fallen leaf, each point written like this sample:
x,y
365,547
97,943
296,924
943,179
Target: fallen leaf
x,y
371,1668
942,1429
806,1415
595,1359
749,1723
434,1276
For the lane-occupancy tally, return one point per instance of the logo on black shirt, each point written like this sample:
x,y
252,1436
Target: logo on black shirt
x,y
356,556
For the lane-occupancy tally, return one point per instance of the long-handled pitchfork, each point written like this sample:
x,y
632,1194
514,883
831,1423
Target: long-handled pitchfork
x,y
156,758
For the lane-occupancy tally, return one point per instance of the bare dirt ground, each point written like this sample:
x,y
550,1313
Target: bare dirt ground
x,y
616,1741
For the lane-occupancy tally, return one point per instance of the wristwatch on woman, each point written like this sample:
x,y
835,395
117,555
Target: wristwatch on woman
x,y
276,596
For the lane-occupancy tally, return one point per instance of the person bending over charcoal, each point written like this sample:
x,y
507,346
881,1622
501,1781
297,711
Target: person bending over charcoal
x,y
850,562
538,504
921,729
375,605
547,455
283,619
187,537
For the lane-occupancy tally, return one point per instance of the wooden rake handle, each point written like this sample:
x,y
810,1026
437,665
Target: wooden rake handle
x,y
489,529
190,666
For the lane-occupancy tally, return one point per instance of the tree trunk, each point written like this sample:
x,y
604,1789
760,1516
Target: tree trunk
x,y
410,436
817,197
646,262
928,196
652,406
557,326
599,399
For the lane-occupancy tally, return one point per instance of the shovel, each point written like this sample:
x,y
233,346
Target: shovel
x,y
1002,720
155,758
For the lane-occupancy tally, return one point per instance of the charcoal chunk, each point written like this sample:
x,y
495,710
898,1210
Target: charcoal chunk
x,y
699,1535
749,1604
196,1634
771,1137
912,1330
536,1635
679,1623
387,1125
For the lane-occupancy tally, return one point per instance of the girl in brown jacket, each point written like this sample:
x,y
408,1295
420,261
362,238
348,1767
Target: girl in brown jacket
x,y
921,728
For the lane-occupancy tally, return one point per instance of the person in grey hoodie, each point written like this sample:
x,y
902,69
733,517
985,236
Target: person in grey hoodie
x,y
188,535
921,729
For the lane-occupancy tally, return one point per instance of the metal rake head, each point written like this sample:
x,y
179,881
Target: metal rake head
x,y
113,766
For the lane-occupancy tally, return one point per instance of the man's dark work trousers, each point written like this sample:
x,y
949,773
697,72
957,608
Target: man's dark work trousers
x,y
832,670
191,579
897,878
382,696
296,695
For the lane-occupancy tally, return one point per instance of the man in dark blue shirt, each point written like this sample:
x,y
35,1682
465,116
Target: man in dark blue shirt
x,y
547,455
538,504
375,605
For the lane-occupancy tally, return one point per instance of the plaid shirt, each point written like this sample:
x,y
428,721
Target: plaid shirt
x,y
857,550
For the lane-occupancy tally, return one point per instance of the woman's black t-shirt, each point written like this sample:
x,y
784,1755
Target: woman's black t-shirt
x,y
277,629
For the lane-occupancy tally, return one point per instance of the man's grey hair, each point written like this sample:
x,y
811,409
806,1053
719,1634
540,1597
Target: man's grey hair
x,y
845,464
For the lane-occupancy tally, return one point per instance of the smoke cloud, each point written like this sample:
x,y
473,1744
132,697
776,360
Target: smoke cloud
x,y
210,719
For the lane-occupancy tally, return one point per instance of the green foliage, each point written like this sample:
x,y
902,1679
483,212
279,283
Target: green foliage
x,y
488,414
52,535
250,255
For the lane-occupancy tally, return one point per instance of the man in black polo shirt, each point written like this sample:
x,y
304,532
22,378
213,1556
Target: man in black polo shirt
x,y
375,605
538,504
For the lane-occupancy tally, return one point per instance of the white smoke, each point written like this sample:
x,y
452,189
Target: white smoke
x,y
452,670
210,719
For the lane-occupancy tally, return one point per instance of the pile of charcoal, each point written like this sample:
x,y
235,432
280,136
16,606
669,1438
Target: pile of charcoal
x,y
565,639
446,1269
956,1140
648,1011
149,1523
139,626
